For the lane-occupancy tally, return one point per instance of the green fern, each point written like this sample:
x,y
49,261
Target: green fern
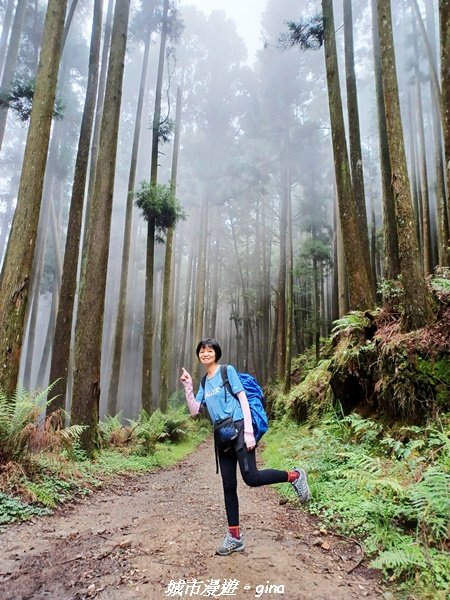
x,y
17,418
430,503
175,425
401,560
355,320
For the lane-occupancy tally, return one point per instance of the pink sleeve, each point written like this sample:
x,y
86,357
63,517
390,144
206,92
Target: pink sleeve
x,y
249,436
193,405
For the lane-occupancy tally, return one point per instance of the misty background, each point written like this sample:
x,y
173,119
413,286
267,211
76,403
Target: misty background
x,y
254,122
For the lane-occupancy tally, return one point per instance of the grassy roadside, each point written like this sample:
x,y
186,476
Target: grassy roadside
x,y
34,483
388,489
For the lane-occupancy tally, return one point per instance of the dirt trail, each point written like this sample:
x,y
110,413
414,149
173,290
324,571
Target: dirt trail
x,y
138,537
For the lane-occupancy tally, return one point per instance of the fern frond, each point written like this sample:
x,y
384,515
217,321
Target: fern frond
x,y
401,559
432,491
392,485
72,433
362,462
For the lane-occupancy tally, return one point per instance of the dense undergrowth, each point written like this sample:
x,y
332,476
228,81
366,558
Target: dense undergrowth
x,y
371,424
42,465
388,488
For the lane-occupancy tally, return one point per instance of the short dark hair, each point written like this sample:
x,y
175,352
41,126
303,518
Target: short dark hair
x,y
209,343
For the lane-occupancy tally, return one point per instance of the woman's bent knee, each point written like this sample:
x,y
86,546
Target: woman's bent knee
x,y
252,479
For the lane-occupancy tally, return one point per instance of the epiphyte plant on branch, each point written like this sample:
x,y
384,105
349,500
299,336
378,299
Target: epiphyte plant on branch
x,y
19,98
158,202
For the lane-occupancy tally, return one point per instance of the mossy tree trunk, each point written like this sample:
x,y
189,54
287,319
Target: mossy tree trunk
x,y
417,298
60,355
17,266
354,135
88,333
444,19
360,290
391,254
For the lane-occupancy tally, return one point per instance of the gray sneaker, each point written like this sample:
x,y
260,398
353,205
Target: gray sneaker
x,y
230,544
300,485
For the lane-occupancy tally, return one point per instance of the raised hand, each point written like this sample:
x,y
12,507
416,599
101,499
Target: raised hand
x,y
185,376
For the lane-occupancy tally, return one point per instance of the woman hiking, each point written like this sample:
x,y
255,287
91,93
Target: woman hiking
x,y
233,411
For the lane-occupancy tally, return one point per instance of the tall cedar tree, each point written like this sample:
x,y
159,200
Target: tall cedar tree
x,y
444,18
417,298
390,250
354,136
88,333
11,59
147,364
17,267
63,329
360,290
6,25
126,247
167,305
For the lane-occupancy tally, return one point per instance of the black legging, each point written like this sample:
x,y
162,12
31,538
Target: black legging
x,y
250,475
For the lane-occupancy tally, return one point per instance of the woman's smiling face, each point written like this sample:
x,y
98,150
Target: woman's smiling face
x,y
207,355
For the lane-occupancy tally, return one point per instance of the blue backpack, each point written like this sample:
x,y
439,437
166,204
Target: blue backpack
x,y
255,397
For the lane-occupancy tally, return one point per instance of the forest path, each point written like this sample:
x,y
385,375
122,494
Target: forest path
x,y
135,538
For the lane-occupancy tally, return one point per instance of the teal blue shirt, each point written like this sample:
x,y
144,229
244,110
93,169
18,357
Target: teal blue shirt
x,y
219,402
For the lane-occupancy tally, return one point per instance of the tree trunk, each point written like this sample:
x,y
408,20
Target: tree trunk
x,y
290,298
184,332
120,321
8,214
200,279
417,298
167,308
423,171
88,333
282,270
98,118
444,18
391,253
336,266
41,381
60,356
17,266
442,215
343,300
360,290
56,284
356,161
149,269
11,59
69,20
414,177
7,20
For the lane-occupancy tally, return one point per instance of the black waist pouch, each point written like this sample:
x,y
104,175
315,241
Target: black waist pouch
x,y
225,432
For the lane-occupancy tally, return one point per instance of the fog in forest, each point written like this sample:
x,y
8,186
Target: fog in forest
x,y
254,178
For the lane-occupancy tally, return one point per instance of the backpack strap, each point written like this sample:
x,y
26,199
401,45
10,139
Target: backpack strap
x,y
227,385
225,380
203,383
